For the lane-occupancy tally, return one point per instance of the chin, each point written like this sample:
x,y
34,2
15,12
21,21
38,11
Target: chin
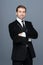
x,y
22,18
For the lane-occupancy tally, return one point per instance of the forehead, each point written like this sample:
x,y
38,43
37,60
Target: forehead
x,y
21,9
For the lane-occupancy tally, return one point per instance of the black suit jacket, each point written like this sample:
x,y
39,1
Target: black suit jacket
x,y
19,43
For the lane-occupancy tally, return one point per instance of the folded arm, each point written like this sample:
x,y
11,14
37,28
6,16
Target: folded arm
x,y
32,33
15,35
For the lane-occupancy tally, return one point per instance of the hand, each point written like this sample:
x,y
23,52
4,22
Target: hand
x,y
23,34
29,39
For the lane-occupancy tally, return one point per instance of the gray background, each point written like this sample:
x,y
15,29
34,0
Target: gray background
x,y
7,15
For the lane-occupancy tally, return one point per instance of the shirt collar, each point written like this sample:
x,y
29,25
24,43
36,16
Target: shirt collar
x,y
20,21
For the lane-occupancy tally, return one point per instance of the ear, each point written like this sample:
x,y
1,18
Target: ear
x,y
16,13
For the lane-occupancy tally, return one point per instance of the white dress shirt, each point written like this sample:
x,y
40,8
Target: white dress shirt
x,y
23,33
20,21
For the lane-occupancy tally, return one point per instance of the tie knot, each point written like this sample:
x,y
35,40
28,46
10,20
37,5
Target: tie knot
x,y
23,23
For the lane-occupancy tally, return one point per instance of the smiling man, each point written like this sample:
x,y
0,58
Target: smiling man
x,y
21,32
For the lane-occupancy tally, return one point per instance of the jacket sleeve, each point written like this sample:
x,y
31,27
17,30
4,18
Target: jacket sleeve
x,y
32,33
14,34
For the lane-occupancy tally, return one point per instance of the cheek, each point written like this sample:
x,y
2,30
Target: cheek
x,y
19,14
24,14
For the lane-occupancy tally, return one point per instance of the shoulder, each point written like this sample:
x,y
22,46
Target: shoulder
x,y
12,23
28,22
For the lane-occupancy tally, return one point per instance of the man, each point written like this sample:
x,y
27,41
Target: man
x,y
21,33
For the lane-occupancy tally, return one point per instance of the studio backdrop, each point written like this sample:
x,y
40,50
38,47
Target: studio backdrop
x,y
7,15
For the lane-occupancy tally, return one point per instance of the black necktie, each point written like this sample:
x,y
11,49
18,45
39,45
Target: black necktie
x,y
23,23
24,27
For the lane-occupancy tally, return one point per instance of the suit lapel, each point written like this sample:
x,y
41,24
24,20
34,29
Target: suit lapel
x,y
19,25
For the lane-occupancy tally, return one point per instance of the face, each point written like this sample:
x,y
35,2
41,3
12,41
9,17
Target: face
x,y
21,13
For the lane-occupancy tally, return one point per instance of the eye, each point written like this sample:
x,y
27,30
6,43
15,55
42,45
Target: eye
x,y
23,11
20,11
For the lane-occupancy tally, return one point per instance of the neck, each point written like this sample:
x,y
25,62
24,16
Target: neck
x,y
20,18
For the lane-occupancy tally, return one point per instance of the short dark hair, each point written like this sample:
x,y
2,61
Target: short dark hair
x,y
20,6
